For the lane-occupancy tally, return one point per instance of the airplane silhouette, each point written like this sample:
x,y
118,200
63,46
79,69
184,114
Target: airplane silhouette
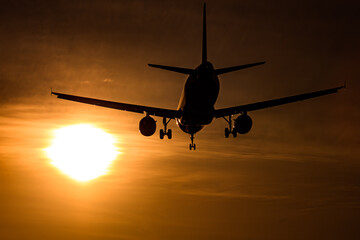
x,y
196,105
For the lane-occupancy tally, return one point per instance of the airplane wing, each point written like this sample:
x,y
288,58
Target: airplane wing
x,y
160,112
272,103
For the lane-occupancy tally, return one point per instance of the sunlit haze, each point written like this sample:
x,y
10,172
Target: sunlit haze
x,y
82,151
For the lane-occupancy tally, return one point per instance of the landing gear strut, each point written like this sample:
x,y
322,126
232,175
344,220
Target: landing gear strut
x,y
230,129
164,131
192,145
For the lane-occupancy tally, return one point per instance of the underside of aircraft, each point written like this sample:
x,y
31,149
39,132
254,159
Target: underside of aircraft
x,y
196,105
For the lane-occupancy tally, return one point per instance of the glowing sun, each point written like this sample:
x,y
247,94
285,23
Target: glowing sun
x,y
82,151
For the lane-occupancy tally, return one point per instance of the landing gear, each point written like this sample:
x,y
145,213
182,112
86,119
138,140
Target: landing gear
x,y
164,131
192,145
227,132
168,134
234,133
230,129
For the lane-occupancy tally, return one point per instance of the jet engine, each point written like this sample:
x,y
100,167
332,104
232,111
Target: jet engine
x,y
243,124
147,126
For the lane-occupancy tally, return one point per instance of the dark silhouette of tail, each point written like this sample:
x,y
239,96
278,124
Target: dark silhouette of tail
x,y
204,47
204,58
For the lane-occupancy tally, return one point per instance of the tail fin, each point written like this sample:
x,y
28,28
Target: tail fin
x,y
204,47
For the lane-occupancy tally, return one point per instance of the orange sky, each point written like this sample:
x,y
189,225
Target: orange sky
x,y
294,176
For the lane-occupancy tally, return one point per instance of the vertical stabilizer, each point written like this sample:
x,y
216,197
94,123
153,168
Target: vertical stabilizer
x,y
204,48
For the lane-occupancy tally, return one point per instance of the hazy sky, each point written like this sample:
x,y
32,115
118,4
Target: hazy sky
x,y
296,175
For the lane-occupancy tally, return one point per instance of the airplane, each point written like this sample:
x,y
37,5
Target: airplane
x,y
196,106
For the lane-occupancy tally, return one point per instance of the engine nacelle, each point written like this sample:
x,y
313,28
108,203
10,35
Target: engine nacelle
x,y
147,126
243,124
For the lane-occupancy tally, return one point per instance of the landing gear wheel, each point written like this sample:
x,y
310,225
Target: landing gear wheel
x,y
192,145
234,133
162,134
230,129
169,134
227,132
164,131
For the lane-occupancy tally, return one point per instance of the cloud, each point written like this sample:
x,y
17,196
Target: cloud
x,y
107,80
208,193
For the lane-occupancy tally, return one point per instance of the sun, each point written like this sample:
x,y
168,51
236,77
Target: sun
x,y
82,151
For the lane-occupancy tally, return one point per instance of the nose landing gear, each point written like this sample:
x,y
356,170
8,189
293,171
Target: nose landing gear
x,y
164,131
192,145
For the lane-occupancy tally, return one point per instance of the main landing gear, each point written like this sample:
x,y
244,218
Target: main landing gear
x,y
230,130
164,131
192,145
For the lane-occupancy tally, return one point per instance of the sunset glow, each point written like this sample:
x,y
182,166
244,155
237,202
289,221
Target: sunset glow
x,y
82,151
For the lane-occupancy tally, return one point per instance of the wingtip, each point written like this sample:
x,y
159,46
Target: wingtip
x,y
53,93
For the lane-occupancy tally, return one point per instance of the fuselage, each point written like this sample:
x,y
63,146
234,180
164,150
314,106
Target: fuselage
x,y
198,99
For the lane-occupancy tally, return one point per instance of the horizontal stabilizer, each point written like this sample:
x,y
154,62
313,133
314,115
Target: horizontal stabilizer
x,y
173,69
231,69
